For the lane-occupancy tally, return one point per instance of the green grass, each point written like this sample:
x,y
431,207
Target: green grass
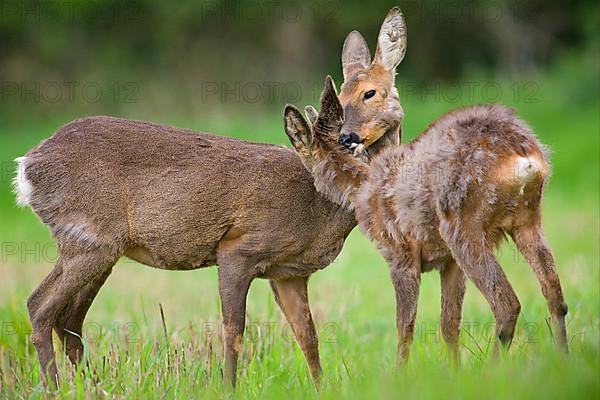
x,y
352,300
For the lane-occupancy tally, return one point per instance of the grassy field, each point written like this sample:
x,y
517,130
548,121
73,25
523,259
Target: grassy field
x,y
129,355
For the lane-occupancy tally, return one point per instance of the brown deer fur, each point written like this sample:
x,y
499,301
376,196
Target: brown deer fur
x,y
443,201
178,200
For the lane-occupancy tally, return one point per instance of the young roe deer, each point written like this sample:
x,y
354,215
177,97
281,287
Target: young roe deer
x,y
443,201
174,199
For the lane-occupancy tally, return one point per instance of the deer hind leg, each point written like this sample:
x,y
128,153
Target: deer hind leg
x,y
531,243
477,261
453,294
292,297
74,270
69,325
234,282
406,278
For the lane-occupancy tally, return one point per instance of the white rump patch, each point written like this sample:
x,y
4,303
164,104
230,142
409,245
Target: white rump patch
x,y
526,167
22,186
518,171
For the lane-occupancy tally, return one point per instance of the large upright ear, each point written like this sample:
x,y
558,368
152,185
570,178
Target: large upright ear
x,y
355,54
391,42
331,117
297,128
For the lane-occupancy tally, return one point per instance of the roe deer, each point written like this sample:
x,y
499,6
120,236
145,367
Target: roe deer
x,y
443,201
174,199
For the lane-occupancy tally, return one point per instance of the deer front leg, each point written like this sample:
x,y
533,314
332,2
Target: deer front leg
x,y
292,297
453,294
406,278
531,243
233,289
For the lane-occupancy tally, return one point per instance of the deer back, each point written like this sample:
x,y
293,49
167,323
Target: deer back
x,y
174,198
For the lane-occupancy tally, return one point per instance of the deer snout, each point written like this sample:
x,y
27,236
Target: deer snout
x,y
350,140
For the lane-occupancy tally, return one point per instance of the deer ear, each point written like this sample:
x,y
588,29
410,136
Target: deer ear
x,y
391,42
296,127
331,116
355,54
311,114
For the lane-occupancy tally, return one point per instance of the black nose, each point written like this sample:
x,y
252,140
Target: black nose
x,y
348,140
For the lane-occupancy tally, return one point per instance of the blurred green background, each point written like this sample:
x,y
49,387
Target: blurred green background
x,y
229,67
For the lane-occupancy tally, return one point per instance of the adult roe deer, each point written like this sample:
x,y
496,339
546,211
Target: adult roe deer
x,y
178,200
443,201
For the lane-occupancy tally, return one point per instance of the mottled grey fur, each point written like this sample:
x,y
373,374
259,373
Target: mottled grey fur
x,y
444,201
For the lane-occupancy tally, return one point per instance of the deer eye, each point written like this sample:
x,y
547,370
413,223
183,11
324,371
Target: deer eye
x,y
369,94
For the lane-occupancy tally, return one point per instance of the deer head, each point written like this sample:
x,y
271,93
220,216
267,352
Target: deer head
x,y
369,97
337,173
319,131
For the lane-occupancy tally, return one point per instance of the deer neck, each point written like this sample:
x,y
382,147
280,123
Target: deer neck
x,y
339,176
391,138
